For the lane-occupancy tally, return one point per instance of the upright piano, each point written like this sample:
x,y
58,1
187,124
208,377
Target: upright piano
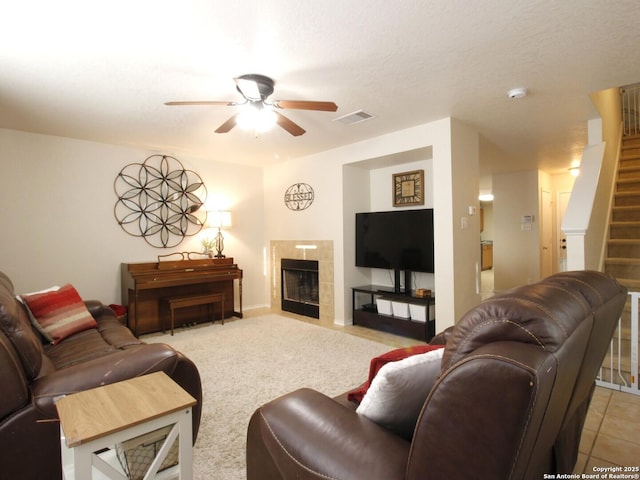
x,y
145,284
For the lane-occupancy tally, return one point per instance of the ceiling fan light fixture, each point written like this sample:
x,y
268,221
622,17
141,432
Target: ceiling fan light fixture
x,y
254,87
257,113
257,118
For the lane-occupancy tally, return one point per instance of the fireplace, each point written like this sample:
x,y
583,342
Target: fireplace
x,y
303,249
300,287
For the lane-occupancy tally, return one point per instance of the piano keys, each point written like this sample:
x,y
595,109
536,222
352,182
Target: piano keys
x,y
145,284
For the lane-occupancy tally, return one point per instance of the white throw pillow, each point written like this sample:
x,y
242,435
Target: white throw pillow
x,y
398,391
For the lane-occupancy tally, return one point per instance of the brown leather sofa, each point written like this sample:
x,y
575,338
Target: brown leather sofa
x,y
509,401
33,374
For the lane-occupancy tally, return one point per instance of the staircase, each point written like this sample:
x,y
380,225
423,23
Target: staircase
x,y
623,252
623,246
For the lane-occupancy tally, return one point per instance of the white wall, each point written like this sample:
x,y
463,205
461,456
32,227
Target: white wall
x,y
487,233
58,223
356,194
332,173
381,199
466,217
516,256
586,212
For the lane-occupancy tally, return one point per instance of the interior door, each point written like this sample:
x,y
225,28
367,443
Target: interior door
x,y
546,235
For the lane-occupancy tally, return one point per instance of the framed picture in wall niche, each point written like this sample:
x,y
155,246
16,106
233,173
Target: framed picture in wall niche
x,y
408,188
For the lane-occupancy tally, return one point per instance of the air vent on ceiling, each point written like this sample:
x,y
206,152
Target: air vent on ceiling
x,y
354,117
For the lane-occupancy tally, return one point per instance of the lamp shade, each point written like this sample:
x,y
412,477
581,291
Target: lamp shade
x,y
219,219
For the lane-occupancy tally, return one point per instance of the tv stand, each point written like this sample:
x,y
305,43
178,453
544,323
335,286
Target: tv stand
x,y
366,313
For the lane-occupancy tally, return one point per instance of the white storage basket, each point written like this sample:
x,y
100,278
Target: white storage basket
x,y
400,309
384,306
418,313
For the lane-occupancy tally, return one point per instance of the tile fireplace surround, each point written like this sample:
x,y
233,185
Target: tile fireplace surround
x,y
323,252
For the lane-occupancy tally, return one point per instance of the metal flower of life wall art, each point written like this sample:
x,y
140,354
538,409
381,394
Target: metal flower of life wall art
x,y
160,201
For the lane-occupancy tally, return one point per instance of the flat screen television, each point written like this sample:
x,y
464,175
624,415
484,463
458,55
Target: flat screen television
x,y
397,240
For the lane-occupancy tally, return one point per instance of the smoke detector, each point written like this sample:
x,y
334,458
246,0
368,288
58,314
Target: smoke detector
x,y
517,92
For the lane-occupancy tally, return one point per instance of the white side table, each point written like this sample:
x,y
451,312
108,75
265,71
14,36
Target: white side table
x,y
97,419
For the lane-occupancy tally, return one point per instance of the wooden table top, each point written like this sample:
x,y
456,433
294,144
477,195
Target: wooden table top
x,y
91,414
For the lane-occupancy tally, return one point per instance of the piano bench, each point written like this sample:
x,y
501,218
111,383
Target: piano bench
x,y
171,304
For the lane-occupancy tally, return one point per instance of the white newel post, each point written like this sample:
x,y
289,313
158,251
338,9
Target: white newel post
x,y
575,249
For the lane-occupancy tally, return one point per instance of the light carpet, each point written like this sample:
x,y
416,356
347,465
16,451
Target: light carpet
x,y
248,362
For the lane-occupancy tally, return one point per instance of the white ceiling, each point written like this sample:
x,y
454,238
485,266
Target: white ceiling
x,y
102,71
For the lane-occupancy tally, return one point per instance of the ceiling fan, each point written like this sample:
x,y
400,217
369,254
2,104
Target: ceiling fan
x,y
256,89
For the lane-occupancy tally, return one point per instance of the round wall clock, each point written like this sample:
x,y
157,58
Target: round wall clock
x,y
299,196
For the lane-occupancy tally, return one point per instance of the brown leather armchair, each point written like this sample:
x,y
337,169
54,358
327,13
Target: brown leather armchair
x,y
516,379
34,374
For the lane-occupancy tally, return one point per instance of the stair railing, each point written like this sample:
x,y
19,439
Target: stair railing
x,y
631,109
617,377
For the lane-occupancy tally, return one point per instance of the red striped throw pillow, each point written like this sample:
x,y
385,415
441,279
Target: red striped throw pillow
x,y
59,314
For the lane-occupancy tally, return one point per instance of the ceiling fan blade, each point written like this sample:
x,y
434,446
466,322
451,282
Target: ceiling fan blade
x,y
307,105
248,88
291,127
228,125
204,102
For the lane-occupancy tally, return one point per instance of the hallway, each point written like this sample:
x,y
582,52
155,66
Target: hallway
x,y
486,284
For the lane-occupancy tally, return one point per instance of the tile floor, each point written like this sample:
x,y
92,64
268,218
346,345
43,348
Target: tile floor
x,y
611,435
